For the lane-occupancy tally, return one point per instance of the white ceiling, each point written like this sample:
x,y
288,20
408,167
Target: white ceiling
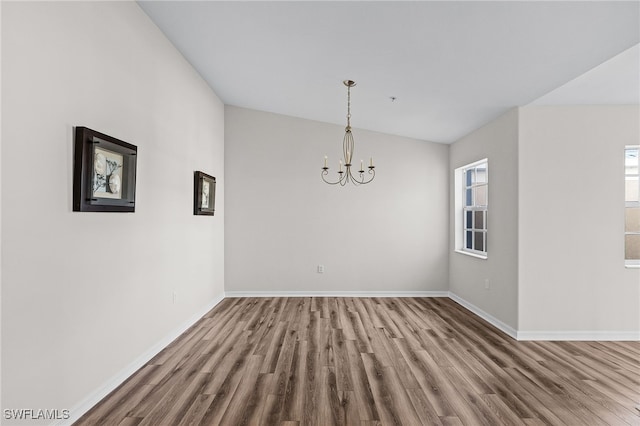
x,y
453,66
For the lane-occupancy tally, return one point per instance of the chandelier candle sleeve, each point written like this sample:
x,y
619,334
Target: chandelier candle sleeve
x,y
348,148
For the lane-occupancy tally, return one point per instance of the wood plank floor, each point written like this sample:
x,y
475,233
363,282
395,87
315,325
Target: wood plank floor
x,y
371,361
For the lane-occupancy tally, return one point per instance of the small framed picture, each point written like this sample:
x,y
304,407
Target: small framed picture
x,y
104,173
204,194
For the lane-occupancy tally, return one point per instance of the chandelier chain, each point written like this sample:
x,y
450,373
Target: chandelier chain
x,y
348,107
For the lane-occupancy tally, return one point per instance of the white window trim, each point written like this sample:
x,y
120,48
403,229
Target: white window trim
x,y
473,254
631,263
459,194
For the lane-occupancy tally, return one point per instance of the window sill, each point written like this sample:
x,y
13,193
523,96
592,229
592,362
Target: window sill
x,y
632,266
479,256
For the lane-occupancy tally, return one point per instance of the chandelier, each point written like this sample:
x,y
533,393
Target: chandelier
x,y
344,176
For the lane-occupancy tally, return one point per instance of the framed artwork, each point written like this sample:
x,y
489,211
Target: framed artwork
x,y
204,194
104,173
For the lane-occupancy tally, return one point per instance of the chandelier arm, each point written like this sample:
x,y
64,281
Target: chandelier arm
x,y
353,178
372,172
325,172
354,181
362,180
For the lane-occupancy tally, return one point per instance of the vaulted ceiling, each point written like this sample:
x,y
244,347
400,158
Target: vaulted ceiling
x,y
451,66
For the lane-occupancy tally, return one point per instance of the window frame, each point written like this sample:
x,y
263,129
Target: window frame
x,y
463,212
630,263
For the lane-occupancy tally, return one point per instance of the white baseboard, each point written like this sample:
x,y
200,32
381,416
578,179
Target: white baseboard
x,y
97,395
485,316
336,294
547,335
580,335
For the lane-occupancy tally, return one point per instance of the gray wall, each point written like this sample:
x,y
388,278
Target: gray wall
x,y
572,273
282,220
497,141
85,294
556,223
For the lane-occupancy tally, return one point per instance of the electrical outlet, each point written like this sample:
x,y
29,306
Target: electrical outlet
x,y
486,284
321,269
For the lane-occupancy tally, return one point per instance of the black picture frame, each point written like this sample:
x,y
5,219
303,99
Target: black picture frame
x,y
204,194
104,173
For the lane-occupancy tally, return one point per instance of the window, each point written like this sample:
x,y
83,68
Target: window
x,y
472,200
632,207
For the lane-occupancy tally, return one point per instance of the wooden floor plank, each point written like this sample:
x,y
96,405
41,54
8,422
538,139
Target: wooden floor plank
x,y
376,375
362,389
236,413
256,403
423,369
371,361
423,407
341,361
311,383
294,394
